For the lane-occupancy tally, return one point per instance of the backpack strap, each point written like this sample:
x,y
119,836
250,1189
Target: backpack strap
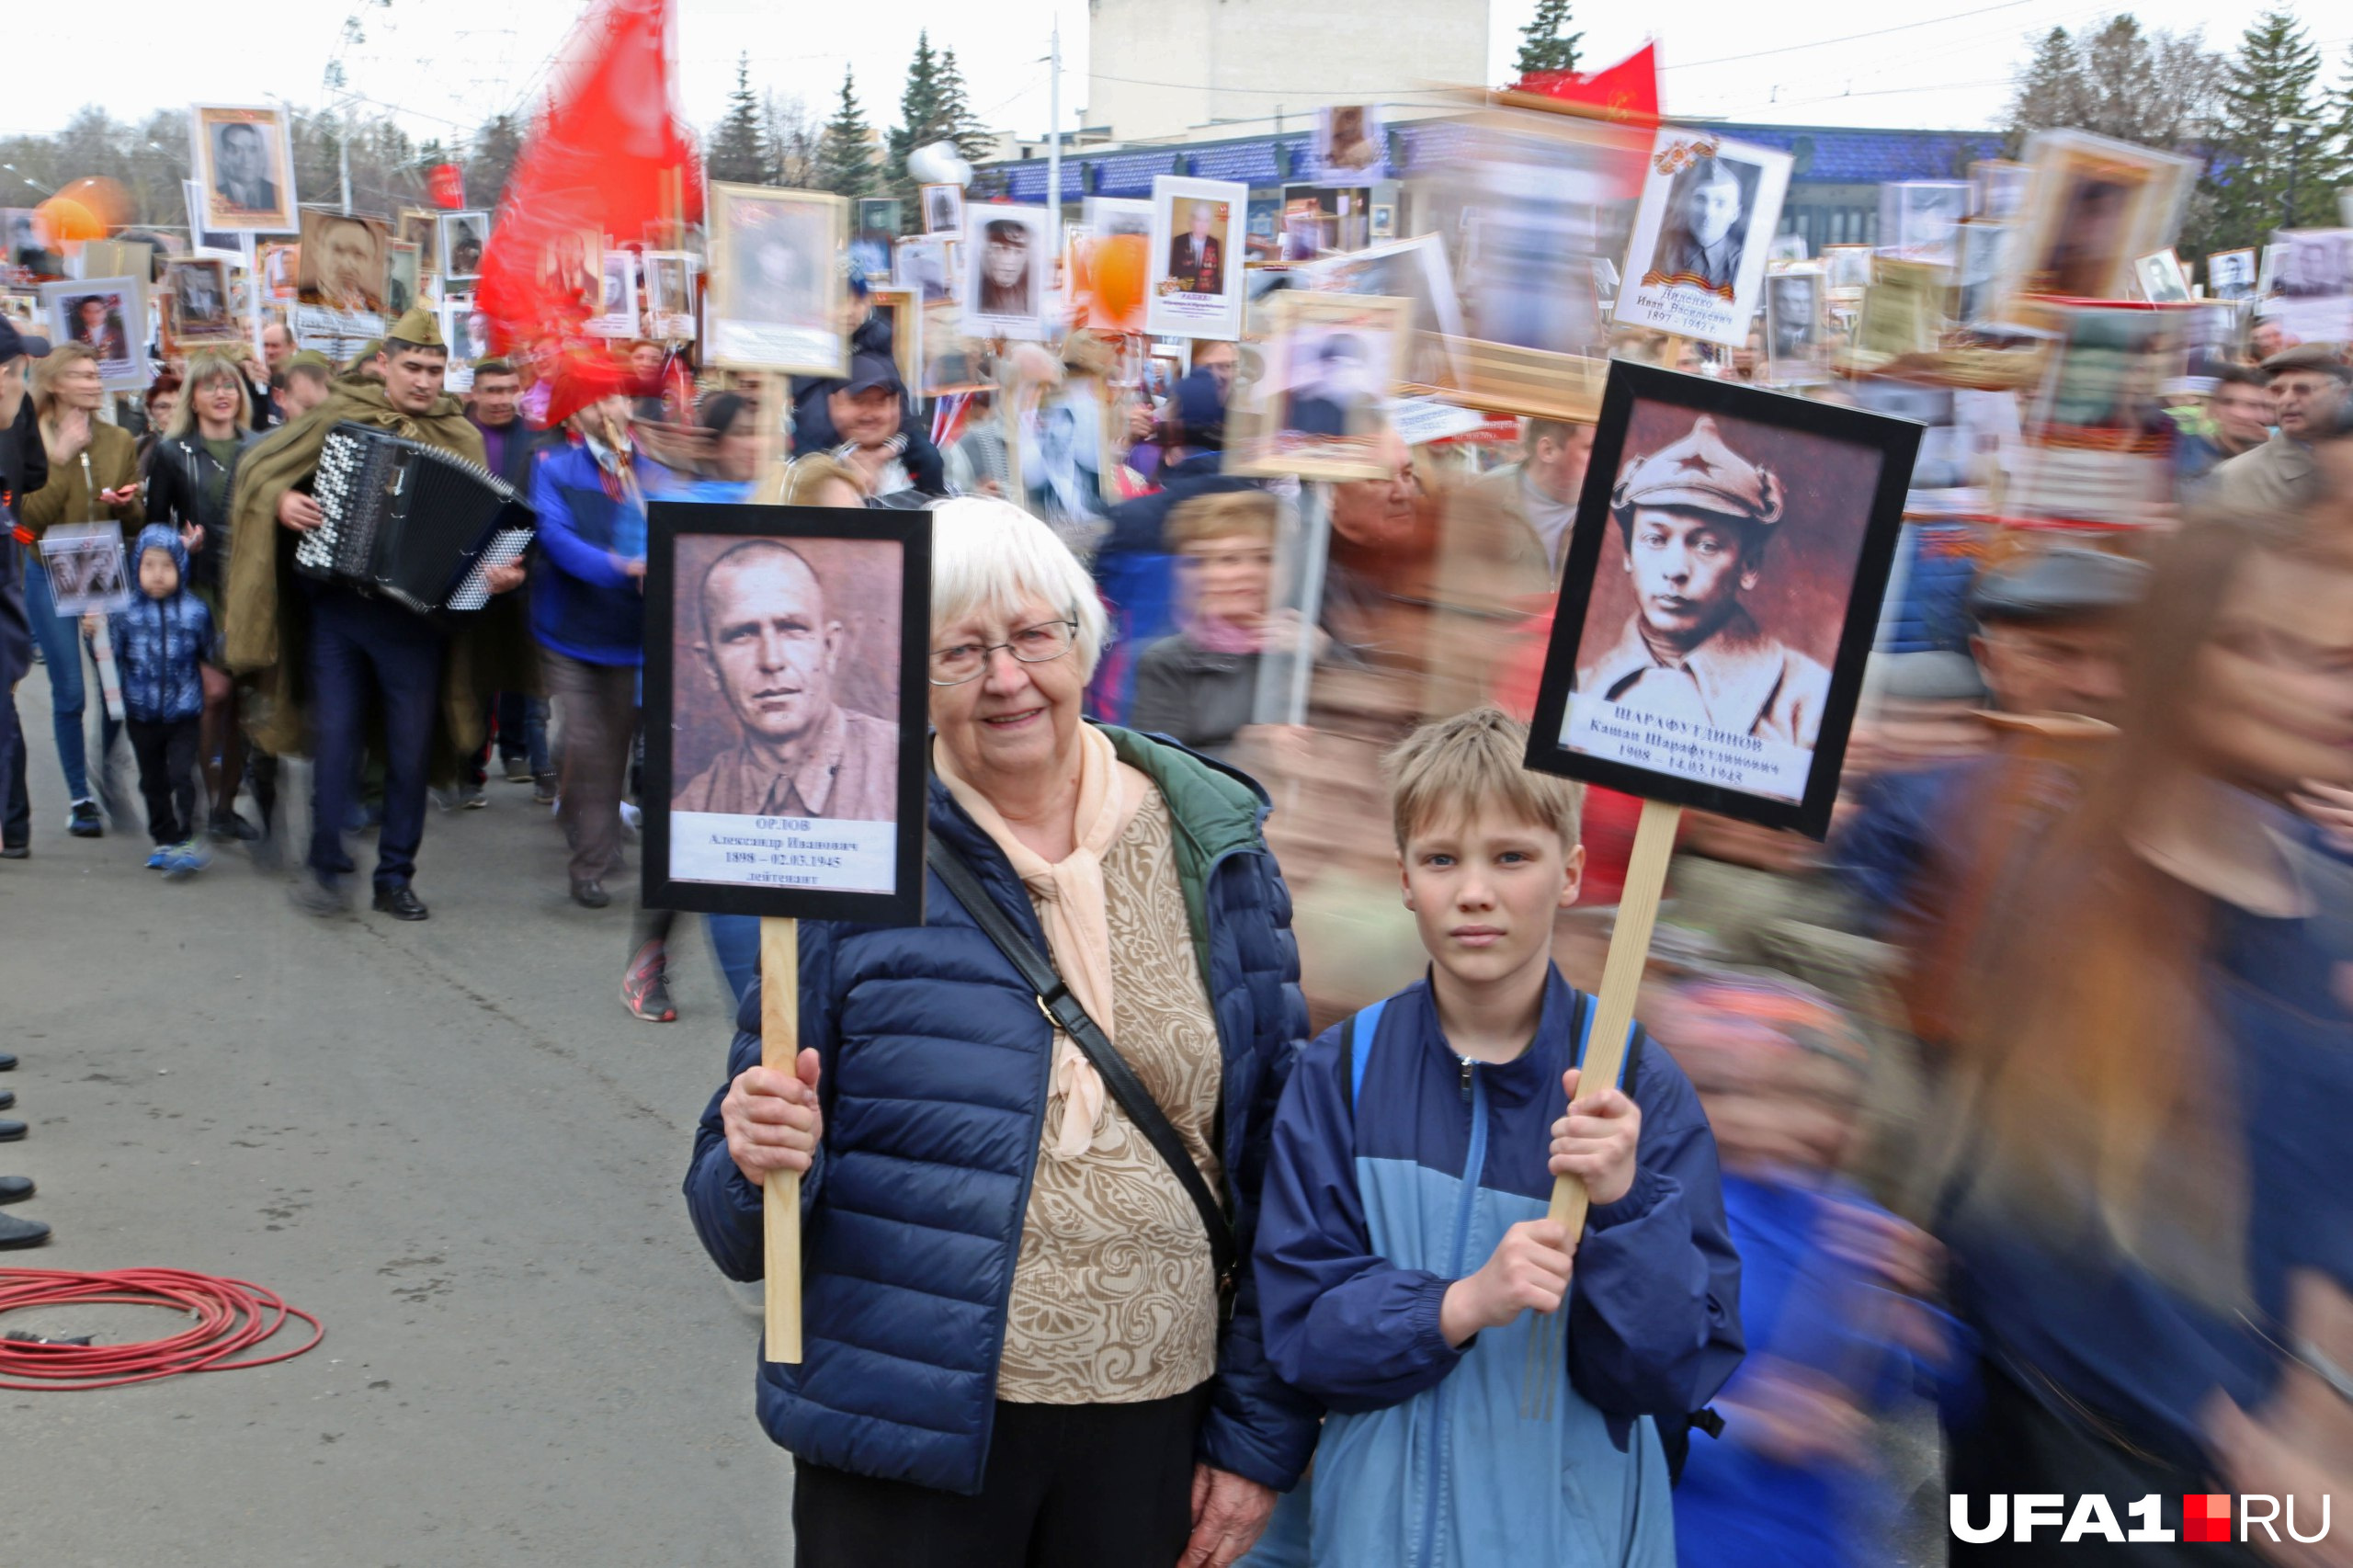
x,y
1362,1030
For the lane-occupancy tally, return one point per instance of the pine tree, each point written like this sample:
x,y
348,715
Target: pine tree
x,y
973,139
737,152
2271,137
791,136
497,147
845,154
921,117
2049,93
1542,47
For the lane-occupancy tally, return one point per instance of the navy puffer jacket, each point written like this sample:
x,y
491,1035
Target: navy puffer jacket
x,y
936,1065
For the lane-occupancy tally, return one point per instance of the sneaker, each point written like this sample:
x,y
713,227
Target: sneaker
x,y
519,770
315,896
471,799
631,818
645,987
443,800
188,857
85,823
543,789
161,858
228,827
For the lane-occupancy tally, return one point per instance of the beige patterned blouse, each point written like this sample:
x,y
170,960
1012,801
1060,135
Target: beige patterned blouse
x,y
1114,1297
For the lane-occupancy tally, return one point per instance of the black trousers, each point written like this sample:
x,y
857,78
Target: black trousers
x,y
361,647
166,754
1066,1486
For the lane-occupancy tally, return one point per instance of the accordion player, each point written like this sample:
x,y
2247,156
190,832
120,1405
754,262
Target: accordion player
x,y
410,522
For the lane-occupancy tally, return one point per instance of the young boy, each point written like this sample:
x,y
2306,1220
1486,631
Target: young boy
x,y
159,643
1403,1242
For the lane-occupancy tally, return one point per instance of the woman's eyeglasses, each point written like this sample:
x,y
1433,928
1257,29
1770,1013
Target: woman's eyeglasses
x,y
960,662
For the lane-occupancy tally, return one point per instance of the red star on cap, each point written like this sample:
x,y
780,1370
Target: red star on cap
x,y
1695,461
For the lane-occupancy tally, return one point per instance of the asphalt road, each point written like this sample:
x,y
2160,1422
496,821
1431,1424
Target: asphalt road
x,y
448,1141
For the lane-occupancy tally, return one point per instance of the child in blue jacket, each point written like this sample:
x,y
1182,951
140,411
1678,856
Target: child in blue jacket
x,y
159,641
1405,1261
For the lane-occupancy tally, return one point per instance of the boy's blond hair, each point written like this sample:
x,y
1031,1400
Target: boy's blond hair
x,y
1224,514
1444,771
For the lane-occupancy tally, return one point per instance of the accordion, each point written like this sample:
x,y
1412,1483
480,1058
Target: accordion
x,y
409,522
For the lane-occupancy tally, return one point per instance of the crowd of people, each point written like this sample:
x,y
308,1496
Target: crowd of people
x,y
2015,1109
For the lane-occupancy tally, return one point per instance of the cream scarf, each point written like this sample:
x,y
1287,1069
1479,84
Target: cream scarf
x,y
1073,908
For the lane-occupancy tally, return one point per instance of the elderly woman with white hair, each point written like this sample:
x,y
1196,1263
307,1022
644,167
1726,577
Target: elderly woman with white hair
x,y
1030,1336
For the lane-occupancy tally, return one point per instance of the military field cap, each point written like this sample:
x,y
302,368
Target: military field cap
x,y
2309,357
1699,473
309,359
2058,583
1929,675
419,328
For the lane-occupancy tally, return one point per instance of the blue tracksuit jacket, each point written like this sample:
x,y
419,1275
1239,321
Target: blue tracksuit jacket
x,y
1396,1167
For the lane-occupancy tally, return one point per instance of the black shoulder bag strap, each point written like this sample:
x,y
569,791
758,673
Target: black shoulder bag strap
x,y
1120,1078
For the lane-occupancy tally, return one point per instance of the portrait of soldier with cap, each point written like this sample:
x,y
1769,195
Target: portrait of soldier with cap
x,y
1697,519
1329,397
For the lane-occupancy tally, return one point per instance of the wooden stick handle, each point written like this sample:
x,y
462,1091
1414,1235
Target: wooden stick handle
x,y
781,1202
1621,977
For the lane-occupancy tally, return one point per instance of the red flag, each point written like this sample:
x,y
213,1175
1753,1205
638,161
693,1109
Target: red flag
x,y
1627,91
446,185
610,158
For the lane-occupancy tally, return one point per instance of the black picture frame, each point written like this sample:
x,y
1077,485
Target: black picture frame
x,y
666,524
1895,440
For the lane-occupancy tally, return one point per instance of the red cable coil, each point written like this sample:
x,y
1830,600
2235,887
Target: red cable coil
x,y
233,1316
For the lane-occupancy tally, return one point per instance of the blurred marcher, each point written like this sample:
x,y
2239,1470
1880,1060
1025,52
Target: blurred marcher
x,y
1831,1285
588,606
519,720
868,410
162,401
307,376
1200,683
2147,1200
277,353
24,465
2237,419
92,477
1541,490
162,644
2307,385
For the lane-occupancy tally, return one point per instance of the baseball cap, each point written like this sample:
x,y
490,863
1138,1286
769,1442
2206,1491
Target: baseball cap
x,y
2059,583
867,372
13,343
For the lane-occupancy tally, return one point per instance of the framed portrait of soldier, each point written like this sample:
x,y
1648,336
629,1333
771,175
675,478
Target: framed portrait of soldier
x,y
617,314
925,266
2159,278
1849,268
403,278
244,159
463,238
1720,595
1796,326
670,295
2230,274
776,294
2001,189
1009,271
1319,404
2096,205
110,314
2313,280
786,695
1350,147
1194,286
1979,270
343,265
1695,266
1920,220
943,210
199,237
202,307
414,227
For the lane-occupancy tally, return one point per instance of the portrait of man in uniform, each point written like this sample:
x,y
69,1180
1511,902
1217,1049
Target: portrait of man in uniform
x,y
1197,256
1706,228
240,168
764,626
1005,265
1696,521
343,263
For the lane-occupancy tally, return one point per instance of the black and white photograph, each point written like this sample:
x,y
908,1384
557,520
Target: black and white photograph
x,y
875,231
669,295
107,313
1977,278
85,567
1695,266
1849,268
1194,288
2002,188
20,242
200,237
403,270
202,308
1318,406
245,162
1112,216
464,329
1009,272
1350,147
925,267
777,293
2230,274
785,711
2313,281
463,237
1722,589
1920,220
1796,327
2161,280
943,210
616,296
343,263
2096,205
415,227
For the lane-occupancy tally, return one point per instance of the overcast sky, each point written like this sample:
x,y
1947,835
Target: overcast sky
x,y
446,65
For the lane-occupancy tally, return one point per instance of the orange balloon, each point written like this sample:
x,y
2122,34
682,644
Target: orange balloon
x,y
1118,278
102,198
66,221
